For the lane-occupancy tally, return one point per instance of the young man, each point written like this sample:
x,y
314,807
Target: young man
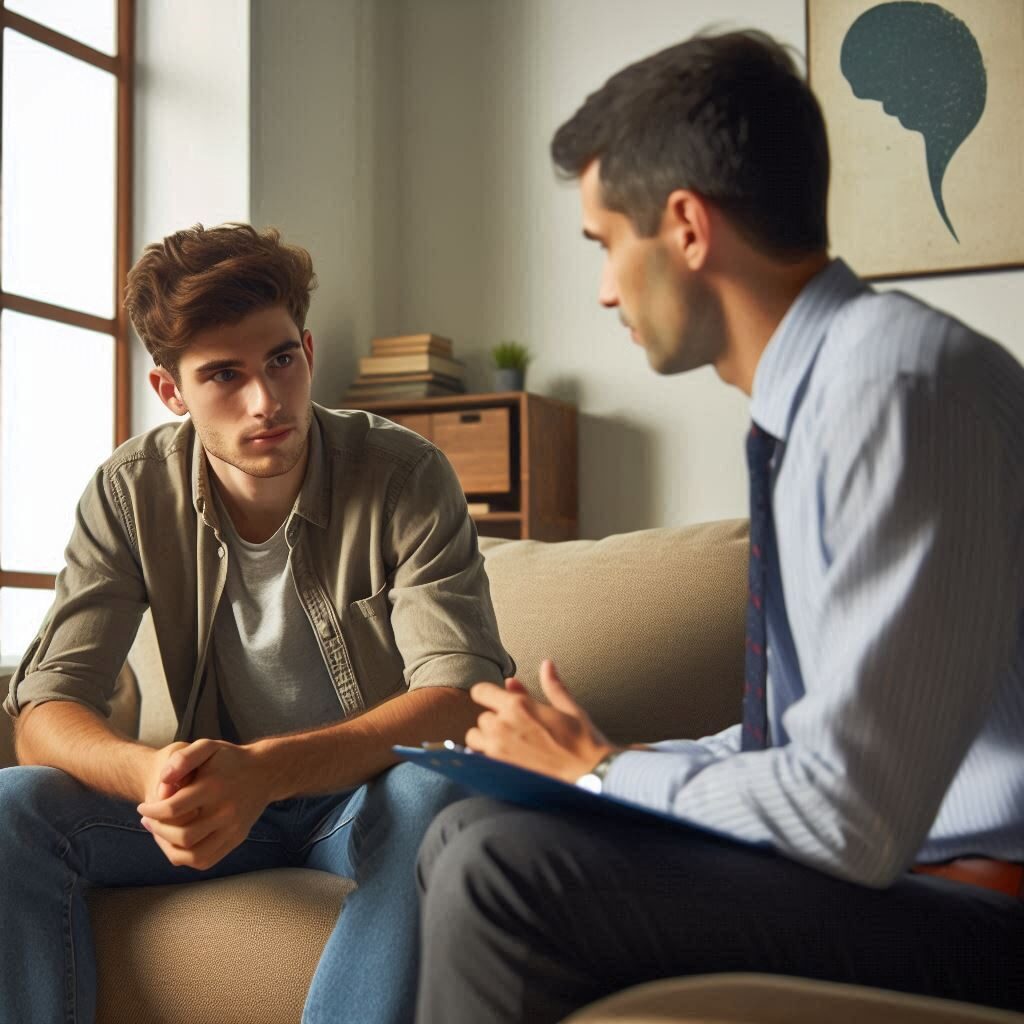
x,y
318,596
884,725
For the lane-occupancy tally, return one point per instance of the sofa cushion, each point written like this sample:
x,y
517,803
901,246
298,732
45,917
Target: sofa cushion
x,y
158,722
238,950
646,628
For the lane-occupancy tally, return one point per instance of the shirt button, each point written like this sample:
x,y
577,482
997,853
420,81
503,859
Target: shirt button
x,y
220,552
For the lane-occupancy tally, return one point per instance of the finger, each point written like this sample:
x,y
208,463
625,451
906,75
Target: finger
x,y
168,851
164,791
476,741
199,858
487,722
486,694
179,804
179,858
183,762
513,685
554,689
183,837
212,849
496,698
180,822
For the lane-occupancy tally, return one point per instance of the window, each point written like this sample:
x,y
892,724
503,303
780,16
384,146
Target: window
x,y
65,250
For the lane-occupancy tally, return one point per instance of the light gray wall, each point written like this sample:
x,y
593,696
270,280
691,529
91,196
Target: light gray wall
x,y
325,92
405,143
191,134
492,246
491,243
279,114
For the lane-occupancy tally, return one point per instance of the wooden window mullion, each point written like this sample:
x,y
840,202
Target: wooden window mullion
x,y
122,68
58,41
27,580
125,105
47,311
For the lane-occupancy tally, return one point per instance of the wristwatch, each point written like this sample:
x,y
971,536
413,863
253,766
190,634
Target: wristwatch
x,y
593,781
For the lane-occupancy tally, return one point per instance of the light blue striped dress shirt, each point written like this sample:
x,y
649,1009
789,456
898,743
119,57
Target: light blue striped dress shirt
x,y
896,615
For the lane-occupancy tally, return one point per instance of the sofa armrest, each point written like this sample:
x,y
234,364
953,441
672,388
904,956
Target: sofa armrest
x,y
7,757
124,712
774,999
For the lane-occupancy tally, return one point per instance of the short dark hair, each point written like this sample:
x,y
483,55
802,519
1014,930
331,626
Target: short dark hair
x,y
208,277
728,116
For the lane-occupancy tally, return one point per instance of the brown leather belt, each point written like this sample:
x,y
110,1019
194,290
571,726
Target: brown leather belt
x,y
1001,875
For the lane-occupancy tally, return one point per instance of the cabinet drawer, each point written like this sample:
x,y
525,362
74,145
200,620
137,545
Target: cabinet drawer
x,y
478,446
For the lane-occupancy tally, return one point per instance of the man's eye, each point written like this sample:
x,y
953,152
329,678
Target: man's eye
x,y
283,359
223,376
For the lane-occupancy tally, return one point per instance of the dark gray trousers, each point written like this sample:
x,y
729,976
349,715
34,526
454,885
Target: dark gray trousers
x,y
528,916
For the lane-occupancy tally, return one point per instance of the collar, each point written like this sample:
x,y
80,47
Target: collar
x,y
202,494
792,349
313,502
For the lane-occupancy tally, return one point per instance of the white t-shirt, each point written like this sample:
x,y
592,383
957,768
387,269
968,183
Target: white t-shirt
x,y
272,675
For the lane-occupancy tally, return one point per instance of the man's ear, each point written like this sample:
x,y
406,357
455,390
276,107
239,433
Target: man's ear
x,y
686,223
166,390
307,349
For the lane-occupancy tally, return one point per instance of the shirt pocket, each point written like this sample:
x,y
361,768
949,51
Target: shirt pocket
x,y
371,642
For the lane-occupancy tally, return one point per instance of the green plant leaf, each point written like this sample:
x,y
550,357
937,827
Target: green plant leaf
x,y
510,355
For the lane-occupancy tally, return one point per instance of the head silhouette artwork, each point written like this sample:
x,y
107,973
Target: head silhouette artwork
x,y
925,67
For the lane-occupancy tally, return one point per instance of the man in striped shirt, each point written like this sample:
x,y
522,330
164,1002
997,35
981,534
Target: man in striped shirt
x,y
884,719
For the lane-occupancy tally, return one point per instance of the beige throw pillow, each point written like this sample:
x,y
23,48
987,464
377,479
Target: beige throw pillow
x,y
646,628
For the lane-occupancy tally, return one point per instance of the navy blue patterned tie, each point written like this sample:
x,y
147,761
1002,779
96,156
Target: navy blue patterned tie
x,y
760,448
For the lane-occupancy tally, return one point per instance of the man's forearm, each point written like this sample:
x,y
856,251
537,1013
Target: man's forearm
x,y
69,736
350,753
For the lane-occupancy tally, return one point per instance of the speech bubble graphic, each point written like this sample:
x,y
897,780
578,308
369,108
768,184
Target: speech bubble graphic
x,y
925,66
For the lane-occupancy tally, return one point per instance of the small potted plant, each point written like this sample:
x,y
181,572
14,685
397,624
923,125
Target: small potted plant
x,y
510,362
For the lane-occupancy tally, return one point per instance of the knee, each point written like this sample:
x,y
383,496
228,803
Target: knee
x,y
417,795
468,861
473,888
31,788
29,797
451,821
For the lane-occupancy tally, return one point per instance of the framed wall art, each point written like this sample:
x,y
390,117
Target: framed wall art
x,y
922,102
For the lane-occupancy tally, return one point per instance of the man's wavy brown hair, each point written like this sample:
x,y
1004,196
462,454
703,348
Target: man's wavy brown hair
x,y
206,277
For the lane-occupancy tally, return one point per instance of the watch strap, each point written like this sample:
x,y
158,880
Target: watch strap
x,y
593,781
601,768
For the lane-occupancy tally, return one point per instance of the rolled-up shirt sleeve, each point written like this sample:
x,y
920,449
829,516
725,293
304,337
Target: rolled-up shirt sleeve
x,y
442,615
99,601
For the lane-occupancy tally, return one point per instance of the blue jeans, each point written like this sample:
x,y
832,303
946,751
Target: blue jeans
x,y
58,838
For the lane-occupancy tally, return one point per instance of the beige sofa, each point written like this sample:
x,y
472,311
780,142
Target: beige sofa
x,y
647,630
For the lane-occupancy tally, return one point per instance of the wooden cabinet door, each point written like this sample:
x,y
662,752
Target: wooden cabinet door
x,y
478,445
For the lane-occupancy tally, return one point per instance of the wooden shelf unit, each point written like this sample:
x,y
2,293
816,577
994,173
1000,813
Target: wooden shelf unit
x,y
512,449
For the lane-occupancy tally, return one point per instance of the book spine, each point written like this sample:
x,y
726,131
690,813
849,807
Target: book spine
x,y
371,366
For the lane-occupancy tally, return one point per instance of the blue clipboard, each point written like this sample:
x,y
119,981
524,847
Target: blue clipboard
x,y
515,785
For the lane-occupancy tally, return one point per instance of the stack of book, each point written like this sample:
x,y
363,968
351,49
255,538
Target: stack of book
x,y
409,366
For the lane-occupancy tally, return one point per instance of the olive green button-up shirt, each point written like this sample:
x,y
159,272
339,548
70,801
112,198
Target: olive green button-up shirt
x,y
383,555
